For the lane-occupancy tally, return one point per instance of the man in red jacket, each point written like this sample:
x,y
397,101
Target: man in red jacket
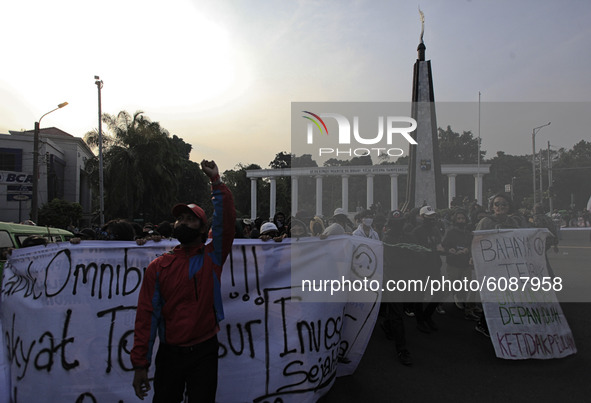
x,y
180,301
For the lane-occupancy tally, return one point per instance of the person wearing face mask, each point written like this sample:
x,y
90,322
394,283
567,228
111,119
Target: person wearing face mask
x,y
365,229
180,302
279,221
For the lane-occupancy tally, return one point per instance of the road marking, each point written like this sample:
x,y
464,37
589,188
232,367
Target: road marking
x,y
574,247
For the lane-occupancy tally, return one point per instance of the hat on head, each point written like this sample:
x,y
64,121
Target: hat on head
x,y
427,210
339,211
268,227
192,208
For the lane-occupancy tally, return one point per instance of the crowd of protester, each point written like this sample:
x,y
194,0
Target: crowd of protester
x,y
445,237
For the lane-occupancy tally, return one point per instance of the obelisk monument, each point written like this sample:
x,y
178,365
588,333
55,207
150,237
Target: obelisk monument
x,y
424,186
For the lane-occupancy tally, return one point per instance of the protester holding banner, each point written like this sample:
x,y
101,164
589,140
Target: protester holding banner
x,y
270,231
297,229
180,300
117,230
501,206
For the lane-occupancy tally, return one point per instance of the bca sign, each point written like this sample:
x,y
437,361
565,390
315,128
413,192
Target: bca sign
x,y
9,178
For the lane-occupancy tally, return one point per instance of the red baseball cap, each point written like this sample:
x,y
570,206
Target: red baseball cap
x,y
193,208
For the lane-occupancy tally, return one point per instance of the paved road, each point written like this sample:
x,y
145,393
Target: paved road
x,y
457,364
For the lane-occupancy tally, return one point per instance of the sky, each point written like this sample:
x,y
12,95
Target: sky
x,y
222,74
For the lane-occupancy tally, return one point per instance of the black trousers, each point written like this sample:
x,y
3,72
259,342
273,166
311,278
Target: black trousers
x,y
192,368
424,311
393,323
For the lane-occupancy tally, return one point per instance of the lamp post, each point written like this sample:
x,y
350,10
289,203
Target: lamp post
x,y
513,188
550,185
533,155
35,198
478,191
99,85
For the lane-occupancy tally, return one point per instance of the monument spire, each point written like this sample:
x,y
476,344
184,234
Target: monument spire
x,y
421,48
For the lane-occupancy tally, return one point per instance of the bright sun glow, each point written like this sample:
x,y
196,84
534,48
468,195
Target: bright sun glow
x,y
195,57
152,55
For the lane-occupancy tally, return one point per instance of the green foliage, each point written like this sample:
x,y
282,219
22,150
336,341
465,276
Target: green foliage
x,y
571,175
145,170
281,160
283,184
455,148
59,213
304,160
509,169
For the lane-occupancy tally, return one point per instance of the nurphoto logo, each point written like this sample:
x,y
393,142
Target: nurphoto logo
x,y
390,129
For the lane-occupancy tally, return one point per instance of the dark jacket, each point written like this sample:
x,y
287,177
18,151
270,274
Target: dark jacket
x,y
457,238
180,298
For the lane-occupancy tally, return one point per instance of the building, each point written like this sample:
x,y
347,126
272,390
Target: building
x,y
62,159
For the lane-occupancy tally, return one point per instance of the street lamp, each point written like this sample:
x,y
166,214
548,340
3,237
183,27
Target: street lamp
x,y
35,198
99,85
533,156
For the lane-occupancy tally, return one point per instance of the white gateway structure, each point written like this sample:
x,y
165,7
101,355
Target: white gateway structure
x,y
369,171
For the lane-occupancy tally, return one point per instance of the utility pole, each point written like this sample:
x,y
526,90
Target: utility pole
x,y
533,156
99,85
541,186
35,195
550,184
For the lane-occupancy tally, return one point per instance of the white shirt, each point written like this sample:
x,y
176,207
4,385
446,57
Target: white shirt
x,y
361,232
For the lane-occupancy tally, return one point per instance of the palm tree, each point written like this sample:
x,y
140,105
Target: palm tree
x,y
142,166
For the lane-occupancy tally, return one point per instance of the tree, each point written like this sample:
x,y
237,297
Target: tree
x,y
239,184
455,148
571,176
145,171
282,160
503,169
283,183
60,214
304,160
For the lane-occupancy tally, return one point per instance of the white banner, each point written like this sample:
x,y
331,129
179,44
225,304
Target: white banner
x,y
523,315
68,314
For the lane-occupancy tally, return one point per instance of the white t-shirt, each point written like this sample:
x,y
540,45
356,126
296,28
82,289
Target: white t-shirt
x,y
372,233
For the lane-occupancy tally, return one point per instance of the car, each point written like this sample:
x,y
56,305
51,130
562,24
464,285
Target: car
x,y
12,236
